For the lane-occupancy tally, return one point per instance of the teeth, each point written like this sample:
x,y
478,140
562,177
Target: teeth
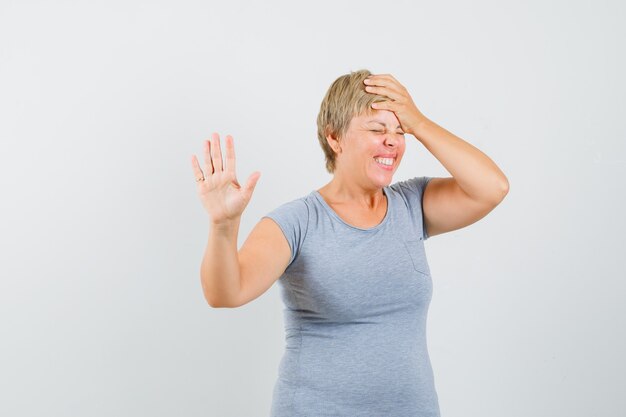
x,y
384,161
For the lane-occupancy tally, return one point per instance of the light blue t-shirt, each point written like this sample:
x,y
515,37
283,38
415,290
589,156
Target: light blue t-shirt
x,y
356,303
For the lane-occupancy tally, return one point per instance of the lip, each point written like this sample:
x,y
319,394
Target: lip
x,y
385,167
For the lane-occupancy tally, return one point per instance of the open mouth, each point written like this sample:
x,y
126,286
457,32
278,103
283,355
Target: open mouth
x,y
385,163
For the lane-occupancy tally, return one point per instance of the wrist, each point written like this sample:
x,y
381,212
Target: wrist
x,y
225,224
418,127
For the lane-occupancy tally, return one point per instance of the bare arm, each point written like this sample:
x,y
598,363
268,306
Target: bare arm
x,y
224,199
262,259
232,278
477,186
219,272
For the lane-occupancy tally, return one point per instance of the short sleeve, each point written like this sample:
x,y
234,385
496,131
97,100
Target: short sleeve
x,y
413,193
293,220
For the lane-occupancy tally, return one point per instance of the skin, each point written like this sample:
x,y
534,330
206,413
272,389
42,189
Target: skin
x,y
399,101
232,278
220,193
355,191
477,184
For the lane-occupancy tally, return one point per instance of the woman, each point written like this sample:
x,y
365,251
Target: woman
x,y
349,257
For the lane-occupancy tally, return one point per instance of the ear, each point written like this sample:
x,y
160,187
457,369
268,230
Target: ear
x,y
333,142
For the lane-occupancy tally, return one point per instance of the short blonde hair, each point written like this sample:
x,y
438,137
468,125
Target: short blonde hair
x,y
346,98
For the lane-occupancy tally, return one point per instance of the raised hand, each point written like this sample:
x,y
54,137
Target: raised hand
x,y
220,193
400,101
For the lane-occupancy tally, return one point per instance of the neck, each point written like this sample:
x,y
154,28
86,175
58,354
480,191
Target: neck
x,y
340,190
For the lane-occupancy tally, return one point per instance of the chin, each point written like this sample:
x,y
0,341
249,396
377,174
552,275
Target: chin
x,y
381,177
383,180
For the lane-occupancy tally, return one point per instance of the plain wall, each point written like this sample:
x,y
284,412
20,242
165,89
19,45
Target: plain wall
x,y
102,104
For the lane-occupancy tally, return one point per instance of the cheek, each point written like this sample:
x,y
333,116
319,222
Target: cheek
x,y
401,147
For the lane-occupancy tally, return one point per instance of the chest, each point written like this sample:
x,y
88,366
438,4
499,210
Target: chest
x,y
360,217
351,277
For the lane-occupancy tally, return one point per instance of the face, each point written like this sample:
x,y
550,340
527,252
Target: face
x,y
372,148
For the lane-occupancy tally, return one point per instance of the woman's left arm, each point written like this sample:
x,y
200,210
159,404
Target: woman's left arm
x,y
477,185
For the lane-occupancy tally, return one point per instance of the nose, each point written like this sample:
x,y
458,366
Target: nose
x,y
391,140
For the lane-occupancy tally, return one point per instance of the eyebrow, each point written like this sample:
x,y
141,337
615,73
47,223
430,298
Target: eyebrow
x,y
381,123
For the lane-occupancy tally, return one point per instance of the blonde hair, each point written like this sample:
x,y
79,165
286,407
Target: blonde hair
x,y
346,98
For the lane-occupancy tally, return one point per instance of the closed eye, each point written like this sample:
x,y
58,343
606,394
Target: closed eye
x,y
382,131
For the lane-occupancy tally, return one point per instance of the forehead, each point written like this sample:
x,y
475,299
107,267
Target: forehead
x,y
386,118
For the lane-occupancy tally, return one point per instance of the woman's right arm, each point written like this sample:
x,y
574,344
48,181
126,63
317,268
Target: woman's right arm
x,y
231,278
220,274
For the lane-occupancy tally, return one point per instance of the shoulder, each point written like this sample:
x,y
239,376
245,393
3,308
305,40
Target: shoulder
x,y
412,185
410,194
297,209
411,191
292,218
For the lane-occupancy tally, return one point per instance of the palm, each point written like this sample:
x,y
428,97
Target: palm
x,y
220,192
224,198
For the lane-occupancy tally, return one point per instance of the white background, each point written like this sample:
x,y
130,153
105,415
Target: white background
x,y
103,103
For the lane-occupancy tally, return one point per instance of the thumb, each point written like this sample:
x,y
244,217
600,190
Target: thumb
x,y
251,183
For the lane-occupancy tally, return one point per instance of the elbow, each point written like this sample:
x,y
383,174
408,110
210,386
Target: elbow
x,y
215,299
213,303
219,304
495,193
216,302
504,190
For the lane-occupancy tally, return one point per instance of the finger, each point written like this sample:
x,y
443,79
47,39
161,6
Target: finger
x,y
208,163
383,105
385,91
216,153
251,183
383,82
377,80
387,77
390,77
195,166
229,164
